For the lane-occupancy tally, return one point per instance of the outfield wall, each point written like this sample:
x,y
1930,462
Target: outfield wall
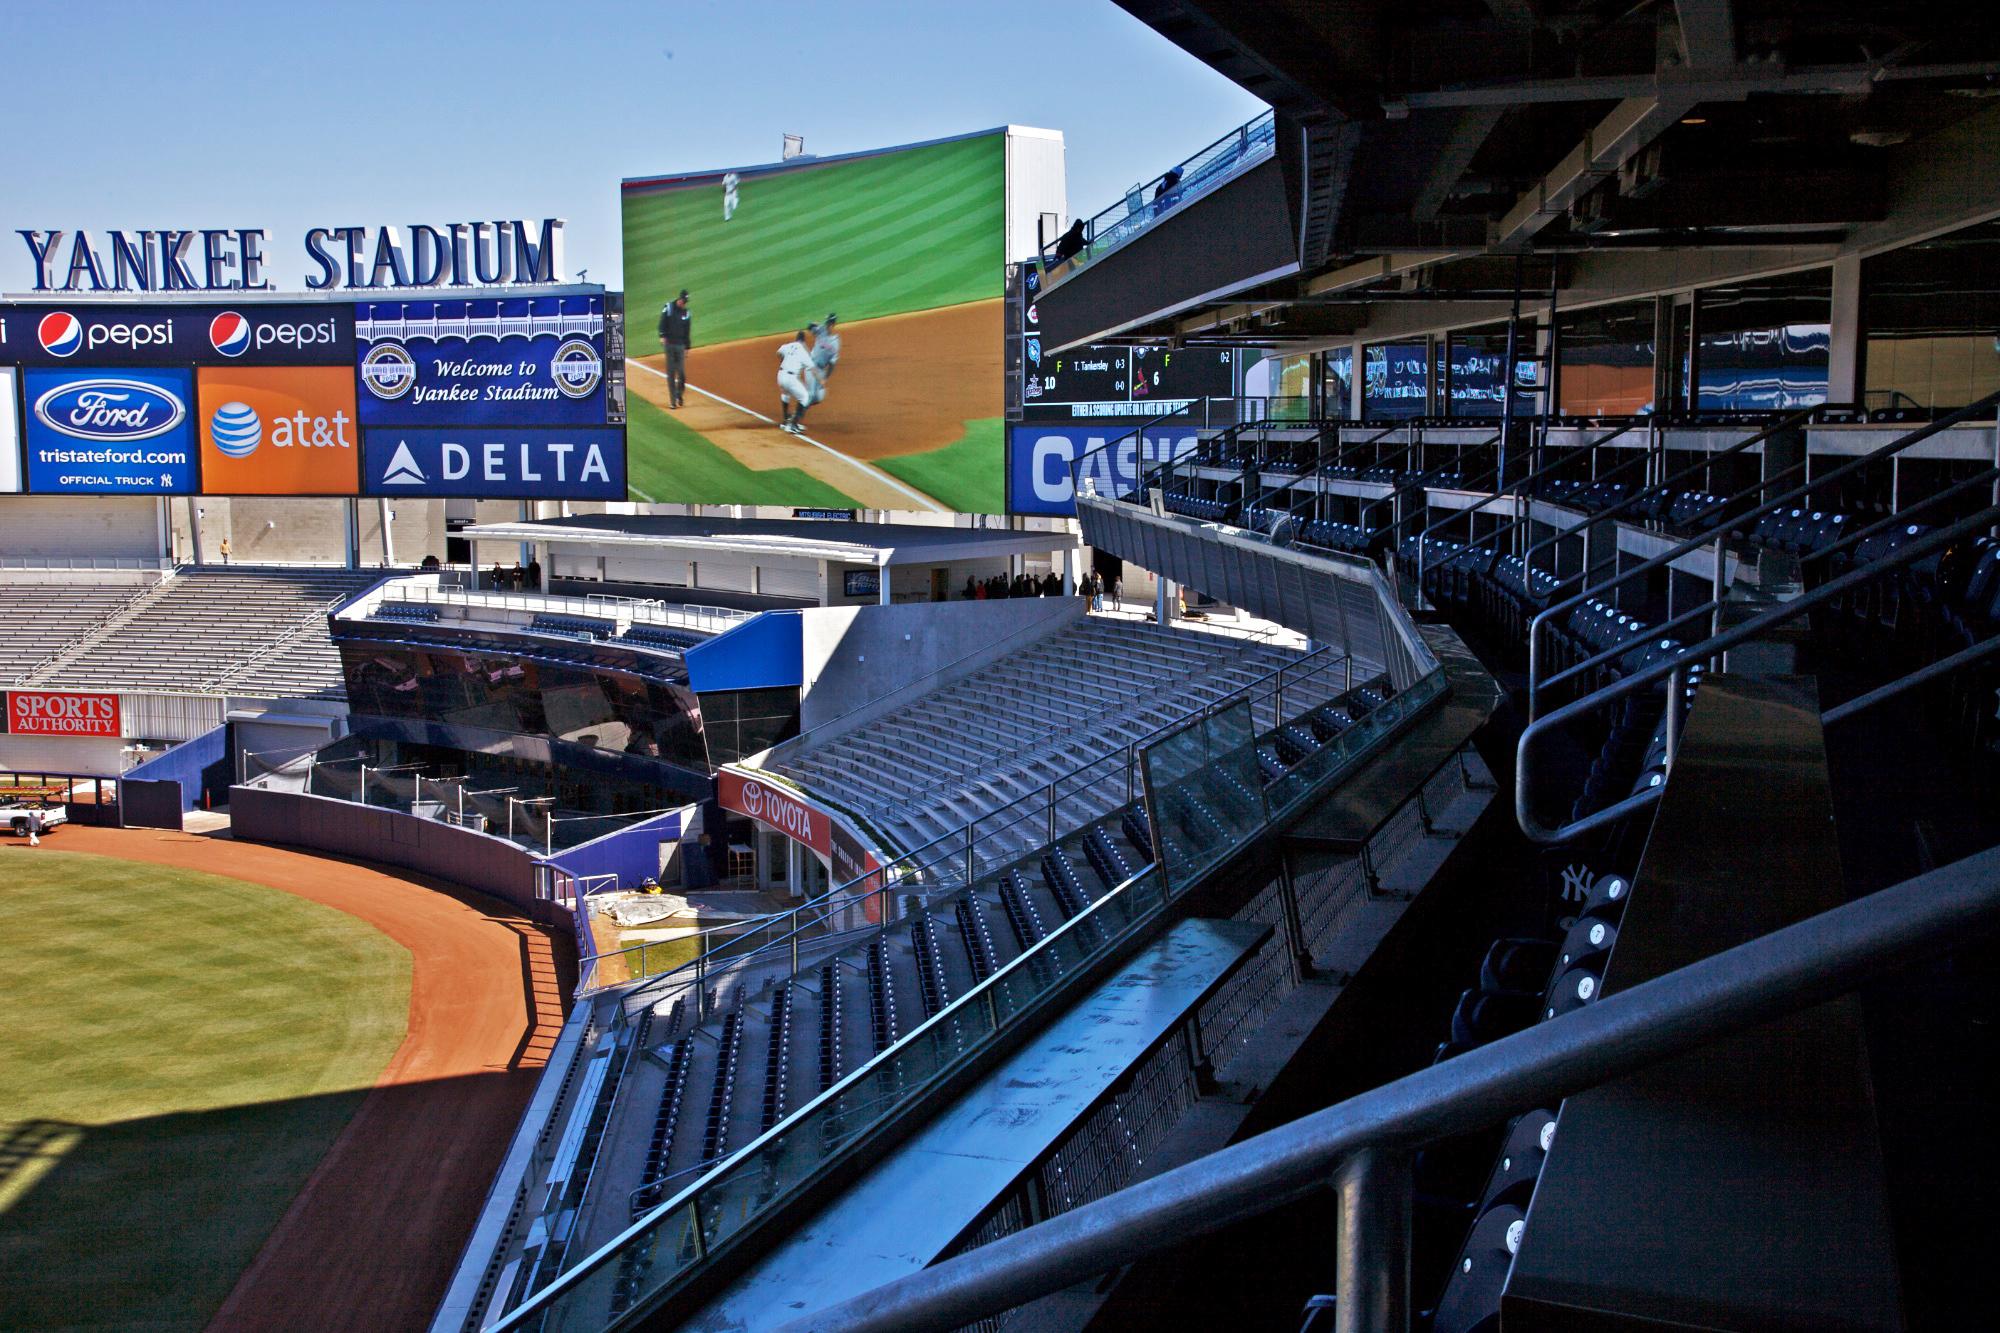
x,y
479,861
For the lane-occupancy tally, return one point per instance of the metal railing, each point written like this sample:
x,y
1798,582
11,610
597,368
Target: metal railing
x,y
1784,972
705,619
722,1210
1200,174
1716,534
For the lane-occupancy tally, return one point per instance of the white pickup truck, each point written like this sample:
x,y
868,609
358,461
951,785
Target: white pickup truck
x,y
15,814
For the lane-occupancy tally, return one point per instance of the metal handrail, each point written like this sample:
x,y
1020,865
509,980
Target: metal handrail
x,y
1785,971
1671,669
1792,421
1711,534
1522,500
1253,141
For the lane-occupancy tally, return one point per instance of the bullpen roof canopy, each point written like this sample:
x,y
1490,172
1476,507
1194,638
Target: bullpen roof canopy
x,y
848,543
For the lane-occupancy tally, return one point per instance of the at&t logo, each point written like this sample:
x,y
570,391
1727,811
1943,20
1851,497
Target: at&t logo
x,y
236,429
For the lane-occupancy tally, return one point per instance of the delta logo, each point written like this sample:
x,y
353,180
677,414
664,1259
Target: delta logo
x,y
278,431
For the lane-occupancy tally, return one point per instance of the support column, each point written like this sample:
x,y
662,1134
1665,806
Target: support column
x,y
194,528
388,540
1372,1248
350,509
1068,559
882,591
1843,366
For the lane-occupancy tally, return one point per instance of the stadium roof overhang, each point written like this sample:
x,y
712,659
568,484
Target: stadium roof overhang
x,y
1437,154
840,543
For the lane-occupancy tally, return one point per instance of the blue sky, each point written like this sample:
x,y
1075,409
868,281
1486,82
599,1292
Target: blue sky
x,y
290,116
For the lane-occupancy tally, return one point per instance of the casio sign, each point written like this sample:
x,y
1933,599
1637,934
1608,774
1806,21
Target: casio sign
x,y
110,409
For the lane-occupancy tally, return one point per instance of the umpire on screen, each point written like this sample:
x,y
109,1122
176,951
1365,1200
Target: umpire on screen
x,y
675,331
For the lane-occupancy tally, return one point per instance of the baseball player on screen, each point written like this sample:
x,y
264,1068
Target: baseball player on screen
x,y
798,383
825,351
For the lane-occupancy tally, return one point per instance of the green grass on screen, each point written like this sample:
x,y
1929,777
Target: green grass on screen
x,y
177,1052
967,475
667,461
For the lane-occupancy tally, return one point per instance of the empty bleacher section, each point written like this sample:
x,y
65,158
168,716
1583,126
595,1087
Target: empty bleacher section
x,y
38,620
252,631
1052,713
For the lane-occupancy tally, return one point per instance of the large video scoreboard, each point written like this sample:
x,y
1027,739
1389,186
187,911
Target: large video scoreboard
x,y
484,395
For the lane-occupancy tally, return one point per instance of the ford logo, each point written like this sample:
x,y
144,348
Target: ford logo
x,y
110,409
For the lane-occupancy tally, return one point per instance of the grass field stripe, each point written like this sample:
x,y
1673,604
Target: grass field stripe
x,y
641,494
877,473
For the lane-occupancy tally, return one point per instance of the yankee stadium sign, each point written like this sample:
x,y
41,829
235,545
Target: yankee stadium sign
x,y
232,259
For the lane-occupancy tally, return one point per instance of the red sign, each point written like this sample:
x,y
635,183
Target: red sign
x,y
768,804
62,713
834,844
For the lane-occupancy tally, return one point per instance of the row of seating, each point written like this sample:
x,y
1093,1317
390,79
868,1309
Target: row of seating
x,y
1300,740
588,628
715,1138
1522,980
659,636
776,1058
416,613
1213,511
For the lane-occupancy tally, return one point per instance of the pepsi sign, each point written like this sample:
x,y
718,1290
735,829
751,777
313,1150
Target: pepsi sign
x,y
495,462
132,335
109,431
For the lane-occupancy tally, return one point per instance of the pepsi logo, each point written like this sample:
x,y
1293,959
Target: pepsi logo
x,y
236,428
110,409
61,333
229,334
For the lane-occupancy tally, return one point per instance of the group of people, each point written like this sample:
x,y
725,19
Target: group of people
x,y
521,578
1049,585
803,370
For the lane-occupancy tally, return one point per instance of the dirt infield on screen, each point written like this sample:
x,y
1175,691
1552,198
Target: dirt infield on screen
x,y
907,247
234,1104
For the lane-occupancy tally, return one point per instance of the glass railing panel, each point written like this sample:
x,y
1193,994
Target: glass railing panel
x,y
1203,792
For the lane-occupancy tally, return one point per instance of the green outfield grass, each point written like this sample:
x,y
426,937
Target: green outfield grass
x,y
177,1052
668,461
968,475
883,235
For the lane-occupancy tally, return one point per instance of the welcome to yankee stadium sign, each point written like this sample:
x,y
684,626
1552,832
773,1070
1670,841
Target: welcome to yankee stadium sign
x,y
232,259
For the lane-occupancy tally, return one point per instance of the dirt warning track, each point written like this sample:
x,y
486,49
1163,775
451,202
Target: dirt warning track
x,y
371,1240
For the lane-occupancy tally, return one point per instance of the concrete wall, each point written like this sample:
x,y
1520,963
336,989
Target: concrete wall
x,y
632,854
62,754
196,766
477,861
288,530
73,527
861,655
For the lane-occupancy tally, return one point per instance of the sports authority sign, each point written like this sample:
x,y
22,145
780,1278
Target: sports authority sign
x,y
846,857
62,713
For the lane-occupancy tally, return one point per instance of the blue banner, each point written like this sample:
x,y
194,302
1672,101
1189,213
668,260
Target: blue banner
x,y
250,334
536,361
1039,458
109,431
495,462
